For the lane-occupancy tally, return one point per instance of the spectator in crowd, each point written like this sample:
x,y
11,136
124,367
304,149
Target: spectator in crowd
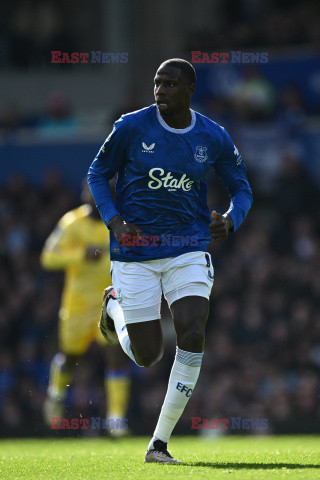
x,y
254,98
58,119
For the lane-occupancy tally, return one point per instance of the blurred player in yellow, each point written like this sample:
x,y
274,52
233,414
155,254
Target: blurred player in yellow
x,y
79,246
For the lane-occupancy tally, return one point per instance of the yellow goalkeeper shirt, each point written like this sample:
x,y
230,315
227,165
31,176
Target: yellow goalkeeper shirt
x,y
65,249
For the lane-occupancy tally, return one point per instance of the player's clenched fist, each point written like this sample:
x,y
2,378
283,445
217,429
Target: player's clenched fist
x,y
219,228
121,228
93,253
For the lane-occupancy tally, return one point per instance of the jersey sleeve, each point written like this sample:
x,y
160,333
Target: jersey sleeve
x,y
233,174
61,249
110,159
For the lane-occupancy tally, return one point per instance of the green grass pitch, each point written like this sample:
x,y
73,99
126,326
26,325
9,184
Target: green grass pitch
x,y
238,457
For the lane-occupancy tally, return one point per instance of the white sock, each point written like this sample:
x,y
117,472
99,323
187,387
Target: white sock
x,y
183,377
115,312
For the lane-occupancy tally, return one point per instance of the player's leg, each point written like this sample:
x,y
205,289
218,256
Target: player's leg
x,y
135,310
189,305
62,369
75,335
190,316
141,341
146,340
117,384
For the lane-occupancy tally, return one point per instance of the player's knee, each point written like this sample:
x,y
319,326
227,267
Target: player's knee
x,y
192,339
149,357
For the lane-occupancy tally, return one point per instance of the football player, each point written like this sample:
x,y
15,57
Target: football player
x,y
79,246
160,229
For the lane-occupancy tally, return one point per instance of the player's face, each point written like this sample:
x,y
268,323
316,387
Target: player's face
x,y
172,93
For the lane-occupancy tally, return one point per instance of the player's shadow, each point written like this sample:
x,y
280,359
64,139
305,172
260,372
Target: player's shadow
x,y
253,466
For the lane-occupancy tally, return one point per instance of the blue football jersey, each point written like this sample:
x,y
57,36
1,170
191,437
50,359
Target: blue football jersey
x,y
161,184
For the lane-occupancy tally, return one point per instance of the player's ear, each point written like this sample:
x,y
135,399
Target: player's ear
x,y
191,89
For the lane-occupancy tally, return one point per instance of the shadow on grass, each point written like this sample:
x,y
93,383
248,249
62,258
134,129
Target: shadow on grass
x,y
254,466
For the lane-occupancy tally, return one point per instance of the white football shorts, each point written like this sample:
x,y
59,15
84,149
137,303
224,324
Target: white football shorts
x,y
139,285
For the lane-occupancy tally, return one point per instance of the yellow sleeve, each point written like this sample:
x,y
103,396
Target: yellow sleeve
x,y
61,249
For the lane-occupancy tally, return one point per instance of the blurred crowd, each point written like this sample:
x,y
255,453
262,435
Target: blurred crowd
x,y
261,24
56,119
255,99
262,357
31,28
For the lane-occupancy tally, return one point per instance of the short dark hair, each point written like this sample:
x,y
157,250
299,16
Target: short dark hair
x,y
186,68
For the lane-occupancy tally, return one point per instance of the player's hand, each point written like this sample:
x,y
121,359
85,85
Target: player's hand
x,y
120,228
219,228
93,253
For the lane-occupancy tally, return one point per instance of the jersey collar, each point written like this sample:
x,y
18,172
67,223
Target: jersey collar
x,y
177,130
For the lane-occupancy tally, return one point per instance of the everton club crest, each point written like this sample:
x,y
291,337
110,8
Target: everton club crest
x,y
201,154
